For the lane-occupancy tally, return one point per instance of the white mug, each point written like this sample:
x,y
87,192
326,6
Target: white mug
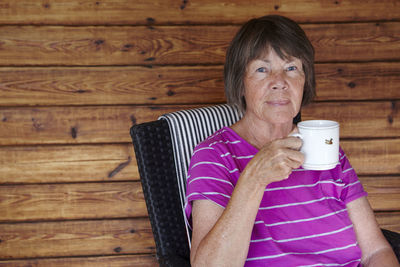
x,y
320,144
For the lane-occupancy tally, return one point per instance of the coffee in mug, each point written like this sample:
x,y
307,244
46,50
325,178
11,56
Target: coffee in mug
x,y
320,144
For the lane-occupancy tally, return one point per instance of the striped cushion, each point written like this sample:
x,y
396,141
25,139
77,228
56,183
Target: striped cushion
x,y
190,127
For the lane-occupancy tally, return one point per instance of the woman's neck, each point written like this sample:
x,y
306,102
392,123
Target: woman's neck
x,y
258,133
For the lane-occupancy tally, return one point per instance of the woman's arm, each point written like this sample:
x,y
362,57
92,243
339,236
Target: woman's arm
x,y
376,251
221,237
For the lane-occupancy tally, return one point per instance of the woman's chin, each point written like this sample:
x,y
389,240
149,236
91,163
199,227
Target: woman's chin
x,y
280,118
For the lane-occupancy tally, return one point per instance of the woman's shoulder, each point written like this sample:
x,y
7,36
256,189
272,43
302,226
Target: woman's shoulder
x,y
220,139
219,143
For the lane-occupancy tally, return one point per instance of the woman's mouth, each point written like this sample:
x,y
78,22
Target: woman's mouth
x,y
281,102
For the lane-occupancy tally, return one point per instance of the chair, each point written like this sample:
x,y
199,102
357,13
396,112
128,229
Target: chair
x,y
163,149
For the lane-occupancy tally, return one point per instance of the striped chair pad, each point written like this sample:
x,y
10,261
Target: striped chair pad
x,y
190,127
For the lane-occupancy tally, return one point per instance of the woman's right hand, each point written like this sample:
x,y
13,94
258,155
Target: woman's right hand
x,y
275,161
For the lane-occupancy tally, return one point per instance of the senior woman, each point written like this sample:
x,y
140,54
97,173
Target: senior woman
x,y
249,202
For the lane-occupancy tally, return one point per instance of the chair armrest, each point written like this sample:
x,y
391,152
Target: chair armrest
x,y
394,240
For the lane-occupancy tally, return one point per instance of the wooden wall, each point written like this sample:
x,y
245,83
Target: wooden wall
x,y
75,75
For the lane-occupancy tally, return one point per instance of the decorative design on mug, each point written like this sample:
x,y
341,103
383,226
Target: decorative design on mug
x,y
329,142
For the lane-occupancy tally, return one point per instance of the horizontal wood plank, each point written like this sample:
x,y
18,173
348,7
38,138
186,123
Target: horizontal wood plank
x,y
171,85
55,125
110,237
358,81
359,119
383,192
68,163
143,260
52,45
373,157
119,200
354,42
122,12
71,201
116,162
111,85
109,124
389,220
76,238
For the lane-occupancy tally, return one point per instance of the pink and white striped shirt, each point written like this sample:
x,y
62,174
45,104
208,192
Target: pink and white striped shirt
x,y
301,221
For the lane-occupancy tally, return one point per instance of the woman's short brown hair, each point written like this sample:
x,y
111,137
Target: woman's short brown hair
x,y
253,40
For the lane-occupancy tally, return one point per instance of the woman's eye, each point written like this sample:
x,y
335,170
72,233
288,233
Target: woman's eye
x,y
291,68
262,69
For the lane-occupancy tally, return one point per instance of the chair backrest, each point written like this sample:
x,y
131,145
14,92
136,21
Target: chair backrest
x,y
155,160
190,127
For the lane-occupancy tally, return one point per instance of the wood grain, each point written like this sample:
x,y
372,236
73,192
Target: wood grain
x,y
116,162
354,42
359,119
383,192
108,237
109,124
123,12
381,156
73,125
75,75
52,45
123,200
75,238
111,85
175,84
358,81
145,260
71,201
68,163
389,220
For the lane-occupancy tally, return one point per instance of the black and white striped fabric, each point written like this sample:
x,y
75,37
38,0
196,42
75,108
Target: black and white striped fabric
x,y
190,127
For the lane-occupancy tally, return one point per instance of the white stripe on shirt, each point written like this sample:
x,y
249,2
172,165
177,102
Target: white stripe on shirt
x,y
302,253
303,237
347,170
356,182
203,148
297,203
215,163
300,186
207,193
224,142
216,134
211,178
330,264
237,157
302,220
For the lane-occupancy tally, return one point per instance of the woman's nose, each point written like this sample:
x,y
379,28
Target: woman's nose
x,y
279,81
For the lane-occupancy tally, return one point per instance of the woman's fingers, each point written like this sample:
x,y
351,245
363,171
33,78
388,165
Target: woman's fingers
x,y
291,142
296,157
280,157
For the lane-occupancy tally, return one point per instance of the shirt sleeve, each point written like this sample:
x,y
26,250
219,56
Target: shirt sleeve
x,y
208,178
353,188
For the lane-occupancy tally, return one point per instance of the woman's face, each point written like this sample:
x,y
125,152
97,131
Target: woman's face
x,y
274,88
